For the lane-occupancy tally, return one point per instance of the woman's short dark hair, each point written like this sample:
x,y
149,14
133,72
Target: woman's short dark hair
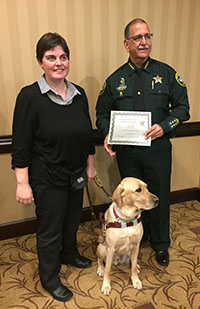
x,y
48,41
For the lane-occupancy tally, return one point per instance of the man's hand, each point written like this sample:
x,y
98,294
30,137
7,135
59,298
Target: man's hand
x,y
155,131
108,147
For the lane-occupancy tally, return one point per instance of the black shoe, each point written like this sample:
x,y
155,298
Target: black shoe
x,y
62,293
162,257
77,261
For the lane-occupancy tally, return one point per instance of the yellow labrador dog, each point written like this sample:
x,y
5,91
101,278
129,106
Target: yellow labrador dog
x,y
123,229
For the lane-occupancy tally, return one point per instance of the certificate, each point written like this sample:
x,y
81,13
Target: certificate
x,y
127,128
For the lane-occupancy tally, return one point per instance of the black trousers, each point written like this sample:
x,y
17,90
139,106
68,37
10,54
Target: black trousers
x,y
153,166
59,213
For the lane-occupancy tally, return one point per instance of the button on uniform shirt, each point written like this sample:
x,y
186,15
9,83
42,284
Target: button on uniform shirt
x,y
138,98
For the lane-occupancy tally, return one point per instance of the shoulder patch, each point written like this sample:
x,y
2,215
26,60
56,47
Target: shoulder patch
x,y
179,80
102,88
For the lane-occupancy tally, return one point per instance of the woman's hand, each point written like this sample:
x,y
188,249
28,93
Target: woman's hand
x,y
24,192
91,170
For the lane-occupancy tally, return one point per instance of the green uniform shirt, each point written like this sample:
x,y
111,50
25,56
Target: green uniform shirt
x,y
164,95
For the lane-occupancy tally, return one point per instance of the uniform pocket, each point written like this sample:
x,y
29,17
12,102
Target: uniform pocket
x,y
159,97
160,90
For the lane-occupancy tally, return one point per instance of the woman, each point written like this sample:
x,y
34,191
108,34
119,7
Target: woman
x,y
52,157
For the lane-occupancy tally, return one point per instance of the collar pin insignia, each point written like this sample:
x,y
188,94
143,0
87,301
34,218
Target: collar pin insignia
x,y
122,86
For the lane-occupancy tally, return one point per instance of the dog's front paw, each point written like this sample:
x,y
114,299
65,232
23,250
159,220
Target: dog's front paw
x,y
137,284
100,271
106,288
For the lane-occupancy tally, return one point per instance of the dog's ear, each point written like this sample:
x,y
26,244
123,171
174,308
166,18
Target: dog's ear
x,y
117,195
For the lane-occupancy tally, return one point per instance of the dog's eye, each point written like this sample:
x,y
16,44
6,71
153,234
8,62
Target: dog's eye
x,y
138,190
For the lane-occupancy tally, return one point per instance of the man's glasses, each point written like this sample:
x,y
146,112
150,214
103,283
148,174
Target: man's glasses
x,y
139,37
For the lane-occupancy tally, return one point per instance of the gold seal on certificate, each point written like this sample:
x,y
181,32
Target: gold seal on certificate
x,y
127,128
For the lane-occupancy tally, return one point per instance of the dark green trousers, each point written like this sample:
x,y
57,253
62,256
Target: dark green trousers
x,y
153,166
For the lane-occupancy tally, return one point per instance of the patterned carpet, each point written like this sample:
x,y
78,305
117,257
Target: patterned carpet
x,y
176,286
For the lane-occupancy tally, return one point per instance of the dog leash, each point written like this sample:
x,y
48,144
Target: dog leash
x,y
93,216
95,221
99,184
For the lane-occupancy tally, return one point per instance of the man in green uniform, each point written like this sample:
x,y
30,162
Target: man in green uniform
x,y
145,84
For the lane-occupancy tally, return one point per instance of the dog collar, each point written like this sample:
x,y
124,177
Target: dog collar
x,y
121,223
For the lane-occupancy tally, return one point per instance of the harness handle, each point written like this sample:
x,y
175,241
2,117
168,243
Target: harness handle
x,y
99,184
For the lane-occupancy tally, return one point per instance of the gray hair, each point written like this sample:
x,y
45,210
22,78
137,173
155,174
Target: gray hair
x,y
132,22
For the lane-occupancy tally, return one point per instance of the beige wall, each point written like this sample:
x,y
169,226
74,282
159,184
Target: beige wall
x,y
94,32
185,174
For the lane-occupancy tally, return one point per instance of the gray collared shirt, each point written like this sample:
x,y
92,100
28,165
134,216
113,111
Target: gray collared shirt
x,y
72,91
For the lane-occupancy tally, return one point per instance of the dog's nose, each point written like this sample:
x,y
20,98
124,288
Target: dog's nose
x,y
156,200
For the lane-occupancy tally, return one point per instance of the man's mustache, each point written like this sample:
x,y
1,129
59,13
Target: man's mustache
x,y
146,46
